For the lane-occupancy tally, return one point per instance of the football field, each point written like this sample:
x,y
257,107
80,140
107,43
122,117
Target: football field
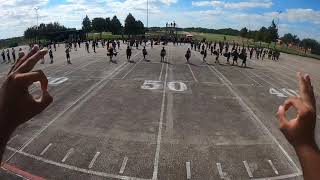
x,y
152,120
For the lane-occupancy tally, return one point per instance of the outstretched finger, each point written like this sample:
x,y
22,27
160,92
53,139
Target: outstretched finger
x,y
29,64
310,98
303,88
26,79
21,60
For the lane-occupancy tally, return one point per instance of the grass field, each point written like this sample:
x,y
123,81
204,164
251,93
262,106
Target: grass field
x,y
104,35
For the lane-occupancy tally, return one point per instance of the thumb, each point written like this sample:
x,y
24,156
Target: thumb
x,y
281,115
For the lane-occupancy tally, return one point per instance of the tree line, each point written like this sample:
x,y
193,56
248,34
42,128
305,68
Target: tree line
x,y
43,31
99,24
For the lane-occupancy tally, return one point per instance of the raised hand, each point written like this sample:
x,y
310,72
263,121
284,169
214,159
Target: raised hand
x,y
17,105
300,130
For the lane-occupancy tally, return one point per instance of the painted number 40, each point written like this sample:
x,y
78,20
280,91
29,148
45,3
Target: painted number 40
x,y
283,92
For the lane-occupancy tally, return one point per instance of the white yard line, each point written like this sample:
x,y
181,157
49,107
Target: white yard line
x,y
188,168
160,76
246,165
253,116
273,167
249,77
157,154
11,139
93,160
124,164
132,67
194,77
45,149
93,88
70,151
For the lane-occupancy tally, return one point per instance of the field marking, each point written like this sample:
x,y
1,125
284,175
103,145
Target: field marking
x,y
124,164
188,168
223,175
157,154
11,139
45,149
253,116
70,151
273,167
246,165
249,77
82,170
132,67
194,77
256,118
279,177
258,76
161,71
93,88
93,160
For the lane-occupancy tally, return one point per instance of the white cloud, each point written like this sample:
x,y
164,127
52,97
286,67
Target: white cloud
x,y
235,5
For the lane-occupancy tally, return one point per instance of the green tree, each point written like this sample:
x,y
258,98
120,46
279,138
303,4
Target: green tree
x,y
272,35
140,27
130,25
108,25
98,25
290,39
86,25
116,26
309,44
244,32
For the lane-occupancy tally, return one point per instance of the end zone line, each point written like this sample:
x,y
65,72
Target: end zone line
x,y
20,173
66,109
157,154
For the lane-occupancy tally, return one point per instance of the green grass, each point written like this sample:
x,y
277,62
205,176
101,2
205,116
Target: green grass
x,y
104,35
218,37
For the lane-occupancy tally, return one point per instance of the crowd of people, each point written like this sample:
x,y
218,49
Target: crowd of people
x,y
231,51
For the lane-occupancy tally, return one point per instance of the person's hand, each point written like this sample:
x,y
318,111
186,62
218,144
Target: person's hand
x,y
17,105
300,130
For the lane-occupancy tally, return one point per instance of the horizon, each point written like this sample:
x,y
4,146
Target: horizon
x,y
296,17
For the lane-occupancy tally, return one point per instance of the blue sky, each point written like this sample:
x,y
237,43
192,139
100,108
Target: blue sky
x,y
298,17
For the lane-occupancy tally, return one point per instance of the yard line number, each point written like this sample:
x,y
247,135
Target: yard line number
x,y
283,93
176,86
57,81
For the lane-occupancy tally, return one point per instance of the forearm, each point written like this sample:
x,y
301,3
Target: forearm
x,y
309,156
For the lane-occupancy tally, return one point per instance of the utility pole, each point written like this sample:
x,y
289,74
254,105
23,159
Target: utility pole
x,y
36,9
147,14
